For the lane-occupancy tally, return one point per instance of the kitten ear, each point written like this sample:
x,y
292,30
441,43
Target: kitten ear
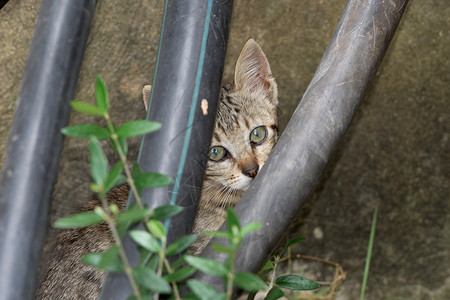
x,y
253,71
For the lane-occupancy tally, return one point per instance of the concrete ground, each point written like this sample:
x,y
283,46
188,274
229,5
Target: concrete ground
x,y
394,155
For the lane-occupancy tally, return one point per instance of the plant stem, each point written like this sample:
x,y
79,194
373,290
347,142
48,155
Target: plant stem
x,y
162,258
289,253
123,158
118,242
230,275
274,269
174,284
369,253
134,189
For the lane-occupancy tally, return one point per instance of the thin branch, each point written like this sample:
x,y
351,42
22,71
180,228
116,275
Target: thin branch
x,y
118,242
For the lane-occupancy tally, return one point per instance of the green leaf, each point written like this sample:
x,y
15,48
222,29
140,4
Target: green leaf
x,y
134,214
250,227
295,282
92,259
87,108
323,291
150,280
123,145
96,188
99,211
123,228
86,131
157,229
114,177
143,297
190,296
108,260
251,295
146,240
144,256
78,220
153,263
232,220
114,209
181,244
203,290
290,243
249,281
267,266
98,162
206,265
152,180
166,211
219,234
263,277
136,170
369,253
148,259
274,293
101,94
180,274
135,173
138,127
221,248
180,262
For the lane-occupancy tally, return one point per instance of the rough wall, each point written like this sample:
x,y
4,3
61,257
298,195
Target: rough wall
x,y
395,154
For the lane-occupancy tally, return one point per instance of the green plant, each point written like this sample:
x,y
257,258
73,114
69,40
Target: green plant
x,y
291,282
369,253
245,280
155,275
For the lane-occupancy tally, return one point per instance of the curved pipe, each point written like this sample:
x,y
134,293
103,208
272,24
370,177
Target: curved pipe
x,y
35,141
320,120
184,97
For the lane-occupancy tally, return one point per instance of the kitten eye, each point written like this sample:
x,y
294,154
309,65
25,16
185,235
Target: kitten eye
x,y
217,153
258,135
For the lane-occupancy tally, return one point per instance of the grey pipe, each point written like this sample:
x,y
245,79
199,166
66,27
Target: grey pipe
x,y
319,122
188,69
35,142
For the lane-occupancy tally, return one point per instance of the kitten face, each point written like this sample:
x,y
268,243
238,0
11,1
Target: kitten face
x,y
246,126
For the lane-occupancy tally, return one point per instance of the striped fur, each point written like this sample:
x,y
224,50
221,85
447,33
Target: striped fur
x,y
249,103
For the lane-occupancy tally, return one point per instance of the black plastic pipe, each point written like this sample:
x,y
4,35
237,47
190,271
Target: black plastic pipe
x,y
187,81
2,3
322,117
35,142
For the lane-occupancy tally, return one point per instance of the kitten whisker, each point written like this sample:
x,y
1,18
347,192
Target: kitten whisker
x,y
217,194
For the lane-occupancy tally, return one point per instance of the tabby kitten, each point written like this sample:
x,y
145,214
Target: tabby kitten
x,y
244,135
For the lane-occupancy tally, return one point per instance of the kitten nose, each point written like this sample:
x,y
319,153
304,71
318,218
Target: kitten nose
x,y
251,171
